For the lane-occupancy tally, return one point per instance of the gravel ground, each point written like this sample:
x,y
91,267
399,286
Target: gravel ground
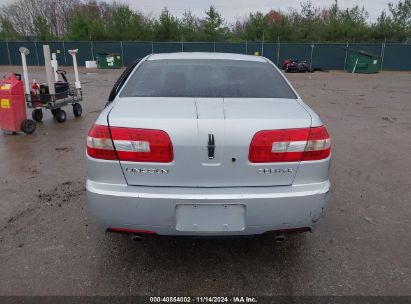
x,y
50,246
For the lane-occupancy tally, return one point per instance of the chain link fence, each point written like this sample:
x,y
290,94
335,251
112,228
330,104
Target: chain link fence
x,y
394,56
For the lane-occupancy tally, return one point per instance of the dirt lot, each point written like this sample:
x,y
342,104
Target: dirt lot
x,y
49,246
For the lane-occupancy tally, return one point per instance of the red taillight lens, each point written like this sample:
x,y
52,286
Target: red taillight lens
x,y
142,145
318,144
290,145
137,145
99,144
278,146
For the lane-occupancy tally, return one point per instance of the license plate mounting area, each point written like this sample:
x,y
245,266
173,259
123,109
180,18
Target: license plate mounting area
x,y
210,217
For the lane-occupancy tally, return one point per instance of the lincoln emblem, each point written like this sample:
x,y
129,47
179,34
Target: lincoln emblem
x,y
211,146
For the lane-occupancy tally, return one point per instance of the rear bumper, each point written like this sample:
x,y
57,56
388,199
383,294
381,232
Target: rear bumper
x,y
154,208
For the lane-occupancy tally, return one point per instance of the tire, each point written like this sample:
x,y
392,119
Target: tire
x,y
61,115
53,112
37,115
77,109
28,126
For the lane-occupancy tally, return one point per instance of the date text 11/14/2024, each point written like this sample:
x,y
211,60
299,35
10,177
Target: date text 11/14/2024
x,y
204,299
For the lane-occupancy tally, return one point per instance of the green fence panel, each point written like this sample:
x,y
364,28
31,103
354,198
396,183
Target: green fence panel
x,y
198,47
55,47
40,54
4,55
397,57
135,50
223,47
270,51
253,47
59,50
329,56
15,56
167,47
295,51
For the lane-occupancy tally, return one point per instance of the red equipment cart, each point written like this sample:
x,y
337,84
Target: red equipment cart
x,y
13,116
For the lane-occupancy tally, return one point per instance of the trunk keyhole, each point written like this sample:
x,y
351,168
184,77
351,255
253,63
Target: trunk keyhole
x,y
233,159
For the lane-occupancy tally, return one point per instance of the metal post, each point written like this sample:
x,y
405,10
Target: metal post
x,y
37,53
182,43
152,47
24,52
346,53
246,47
122,53
262,45
73,54
278,51
8,52
311,56
64,54
214,46
383,52
92,49
54,65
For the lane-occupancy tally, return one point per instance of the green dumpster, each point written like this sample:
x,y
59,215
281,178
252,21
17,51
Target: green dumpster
x,y
362,62
108,61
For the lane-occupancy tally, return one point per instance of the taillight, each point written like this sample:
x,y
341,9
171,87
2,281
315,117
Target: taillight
x,y
142,145
136,145
99,144
318,144
290,145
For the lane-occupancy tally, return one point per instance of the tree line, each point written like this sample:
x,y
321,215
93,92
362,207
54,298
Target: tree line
x,y
80,20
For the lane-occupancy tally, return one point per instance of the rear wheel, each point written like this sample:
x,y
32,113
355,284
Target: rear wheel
x,y
61,115
77,109
28,126
37,115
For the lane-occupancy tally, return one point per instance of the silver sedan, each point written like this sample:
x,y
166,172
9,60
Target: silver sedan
x,y
207,144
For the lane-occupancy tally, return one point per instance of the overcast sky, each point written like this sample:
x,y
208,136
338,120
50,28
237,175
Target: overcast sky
x,y
237,9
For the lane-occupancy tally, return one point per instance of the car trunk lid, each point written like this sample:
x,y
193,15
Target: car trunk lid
x,y
211,139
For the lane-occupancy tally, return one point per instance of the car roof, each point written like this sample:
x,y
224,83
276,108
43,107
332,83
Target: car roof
x,y
205,55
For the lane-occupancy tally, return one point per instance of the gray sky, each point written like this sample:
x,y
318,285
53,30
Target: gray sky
x,y
237,9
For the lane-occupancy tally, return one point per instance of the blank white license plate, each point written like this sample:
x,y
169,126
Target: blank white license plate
x,y
210,217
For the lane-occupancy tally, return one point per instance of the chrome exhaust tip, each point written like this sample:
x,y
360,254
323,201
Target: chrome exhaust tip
x,y
137,238
279,238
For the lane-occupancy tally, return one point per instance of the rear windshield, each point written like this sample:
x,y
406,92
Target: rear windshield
x,y
206,78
